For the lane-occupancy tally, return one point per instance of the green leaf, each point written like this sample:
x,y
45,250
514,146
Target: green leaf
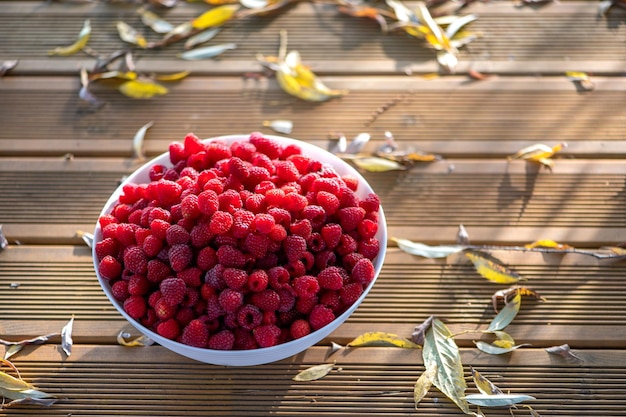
x,y
498,400
507,314
441,351
421,249
497,350
314,372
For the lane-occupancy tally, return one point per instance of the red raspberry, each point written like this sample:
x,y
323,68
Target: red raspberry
x,y
192,276
152,245
370,203
177,152
243,150
168,329
369,248
184,315
221,222
266,300
294,247
135,306
286,171
269,317
235,278
168,192
149,319
230,300
280,215
173,290
295,268
367,229
350,260
208,202
159,213
157,271
351,182
218,151
107,246
244,340
306,286
263,223
201,235
229,200
229,256
135,260
195,334
163,310
119,289
242,220
256,245
180,257
302,228
154,297
316,243
224,340
257,280
331,233
106,220
257,175
213,308
305,305
329,185
320,316
190,207
315,214
347,245
331,278
159,228
207,291
192,144
125,234
215,277
350,217
325,259
249,316
290,150
331,299
350,293
294,202
348,198
268,146
238,168
138,285
363,272
287,299
109,267
207,258
266,335
256,203
329,202
299,328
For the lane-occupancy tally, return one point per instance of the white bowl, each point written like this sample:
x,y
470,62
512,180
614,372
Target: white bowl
x,y
261,355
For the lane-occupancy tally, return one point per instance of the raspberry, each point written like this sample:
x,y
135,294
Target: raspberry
x,y
215,277
201,235
180,257
266,300
154,297
256,203
257,175
119,289
159,213
315,214
159,228
206,259
168,192
235,278
329,185
316,243
331,299
294,247
169,329
149,319
306,286
268,146
287,299
157,271
266,335
324,259
109,267
184,315
244,340
135,260
281,216
369,248
329,202
217,151
229,256
331,278
230,300
331,233
192,144
350,217
173,290
320,316
242,220
295,268
208,202
243,150
301,228
249,316
192,276
351,182
286,171
190,207
138,285
221,222
370,203
213,308
107,246
224,340
195,334
350,260
363,272
152,245
305,305
125,234
299,328
164,310
294,202
350,293
135,306
290,150
347,245
229,200
263,223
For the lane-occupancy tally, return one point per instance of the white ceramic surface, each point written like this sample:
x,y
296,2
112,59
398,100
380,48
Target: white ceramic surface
x,y
261,355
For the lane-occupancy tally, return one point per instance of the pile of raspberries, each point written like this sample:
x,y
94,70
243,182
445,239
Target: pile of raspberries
x,y
239,246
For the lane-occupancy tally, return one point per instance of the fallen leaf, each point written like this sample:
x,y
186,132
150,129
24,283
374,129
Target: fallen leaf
x,y
215,17
496,350
423,384
426,251
582,80
86,237
66,337
21,391
377,164
507,314
507,294
207,51
175,76
280,126
498,400
382,339
141,89
7,66
564,351
539,153
15,347
462,237
202,37
546,243
419,332
138,140
4,243
139,341
130,35
441,351
491,269
154,22
315,372
484,385
80,43
369,12
358,143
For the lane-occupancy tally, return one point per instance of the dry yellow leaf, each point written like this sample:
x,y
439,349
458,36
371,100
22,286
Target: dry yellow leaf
x,y
215,17
141,89
492,270
80,43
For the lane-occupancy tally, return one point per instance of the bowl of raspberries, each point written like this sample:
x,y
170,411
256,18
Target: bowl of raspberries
x,y
240,250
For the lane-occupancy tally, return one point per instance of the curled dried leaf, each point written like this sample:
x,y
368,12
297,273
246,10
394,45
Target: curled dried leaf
x,y
280,126
140,341
506,295
66,337
130,35
492,269
484,385
492,349
4,243
7,66
423,383
15,347
426,251
382,339
314,373
420,331
138,140
507,314
80,43
565,351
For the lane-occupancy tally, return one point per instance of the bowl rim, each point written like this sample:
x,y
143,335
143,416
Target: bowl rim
x,y
256,356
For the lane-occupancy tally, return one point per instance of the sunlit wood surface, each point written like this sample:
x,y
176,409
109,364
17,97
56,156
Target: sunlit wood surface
x,y
60,159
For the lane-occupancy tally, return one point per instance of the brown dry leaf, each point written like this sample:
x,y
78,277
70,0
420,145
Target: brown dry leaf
x,y
420,331
492,269
564,351
314,373
80,43
366,11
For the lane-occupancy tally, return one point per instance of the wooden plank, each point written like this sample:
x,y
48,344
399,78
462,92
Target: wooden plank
x,y
494,118
513,40
583,307
109,381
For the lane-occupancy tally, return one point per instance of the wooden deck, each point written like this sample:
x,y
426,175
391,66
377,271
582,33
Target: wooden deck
x,y
60,160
